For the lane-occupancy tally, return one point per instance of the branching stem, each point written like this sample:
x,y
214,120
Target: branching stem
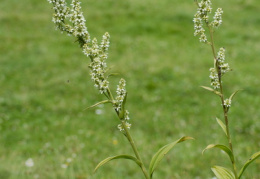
x,y
225,111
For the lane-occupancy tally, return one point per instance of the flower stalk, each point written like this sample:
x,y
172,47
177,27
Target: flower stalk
x,y
224,105
220,67
70,20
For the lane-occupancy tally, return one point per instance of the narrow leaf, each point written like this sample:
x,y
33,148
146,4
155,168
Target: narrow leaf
x,y
223,173
122,111
212,90
222,125
113,74
118,157
252,158
101,102
221,147
233,94
158,156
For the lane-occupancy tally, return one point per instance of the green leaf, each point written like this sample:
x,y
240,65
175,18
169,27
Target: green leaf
x,y
118,157
113,74
101,102
223,148
233,94
222,125
252,158
122,111
158,156
223,173
212,90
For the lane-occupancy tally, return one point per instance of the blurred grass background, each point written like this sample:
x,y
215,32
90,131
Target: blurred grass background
x,y
45,86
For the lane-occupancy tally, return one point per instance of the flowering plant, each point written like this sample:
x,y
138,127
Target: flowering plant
x,y
71,21
201,21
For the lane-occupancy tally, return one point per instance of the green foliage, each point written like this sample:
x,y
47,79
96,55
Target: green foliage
x,y
223,148
223,173
118,157
158,156
222,125
249,161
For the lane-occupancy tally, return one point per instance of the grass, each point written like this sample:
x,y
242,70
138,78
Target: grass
x,y
45,86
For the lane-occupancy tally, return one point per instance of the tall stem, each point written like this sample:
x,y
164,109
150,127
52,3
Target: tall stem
x,y
225,111
131,141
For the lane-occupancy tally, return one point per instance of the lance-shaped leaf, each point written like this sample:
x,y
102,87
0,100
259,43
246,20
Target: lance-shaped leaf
x,y
101,102
252,158
233,94
223,173
122,111
223,148
222,125
112,74
162,152
129,157
212,90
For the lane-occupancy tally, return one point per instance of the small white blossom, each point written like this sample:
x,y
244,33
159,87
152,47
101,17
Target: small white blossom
x,y
29,162
227,103
119,126
64,166
128,125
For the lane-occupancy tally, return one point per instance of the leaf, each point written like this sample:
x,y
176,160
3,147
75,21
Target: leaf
x,y
252,158
101,102
233,94
122,111
223,173
223,148
162,152
113,74
222,125
212,90
118,157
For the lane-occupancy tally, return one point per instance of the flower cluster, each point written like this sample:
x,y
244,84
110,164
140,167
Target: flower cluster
x,y
217,18
201,16
214,78
78,21
222,66
98,66
76,25
61,13
121,93
204,8
221,61
127,124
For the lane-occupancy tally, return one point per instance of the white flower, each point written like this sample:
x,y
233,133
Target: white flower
x,y
29,162
64,166
227,103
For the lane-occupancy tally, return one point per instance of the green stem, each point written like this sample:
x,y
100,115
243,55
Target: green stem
x,y
131,141
225,111
129,137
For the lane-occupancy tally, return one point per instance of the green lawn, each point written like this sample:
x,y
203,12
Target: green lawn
x,y
45,87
